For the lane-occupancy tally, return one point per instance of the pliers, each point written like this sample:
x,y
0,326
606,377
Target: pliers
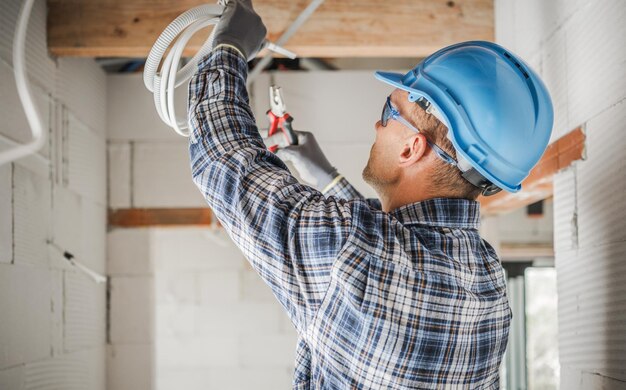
x,y
279,119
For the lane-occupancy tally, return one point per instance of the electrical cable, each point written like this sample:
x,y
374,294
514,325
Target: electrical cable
x,y
162,84
23,89
93,275
162,81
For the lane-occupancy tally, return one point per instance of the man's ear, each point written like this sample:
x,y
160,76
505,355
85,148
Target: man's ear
x,y
413,150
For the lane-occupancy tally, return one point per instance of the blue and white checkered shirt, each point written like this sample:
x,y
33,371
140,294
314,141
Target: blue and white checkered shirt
x,y
411,299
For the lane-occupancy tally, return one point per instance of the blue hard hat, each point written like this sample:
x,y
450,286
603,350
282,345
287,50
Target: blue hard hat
x,y
498,112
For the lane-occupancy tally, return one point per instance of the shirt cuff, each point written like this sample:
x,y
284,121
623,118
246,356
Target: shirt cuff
x,y
225,45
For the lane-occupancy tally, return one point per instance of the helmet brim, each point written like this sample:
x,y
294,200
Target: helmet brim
x,y
393,79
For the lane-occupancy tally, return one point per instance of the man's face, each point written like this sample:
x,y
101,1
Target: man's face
x,y
382,168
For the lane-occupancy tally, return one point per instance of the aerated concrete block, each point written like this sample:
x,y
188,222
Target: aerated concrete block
x,y
219,287
139,120
132,318
93,226
85,312
601,180
254,289
67,232
129,252
194,249
267,350
162,176
190,379
6,213
31,208
12,378
595,53
26,316
86,156
307,96
198,352
93,83
77,370
175,320
554,75
251,378
119,175
179,288
238,319
130,367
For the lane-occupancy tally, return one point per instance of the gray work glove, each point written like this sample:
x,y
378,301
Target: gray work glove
x,y
309,160
241,27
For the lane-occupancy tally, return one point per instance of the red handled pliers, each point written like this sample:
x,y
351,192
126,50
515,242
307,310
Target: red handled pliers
x,y
279,119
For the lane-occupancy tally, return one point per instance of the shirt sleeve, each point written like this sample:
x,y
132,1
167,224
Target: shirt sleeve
x,y
342,189
290,233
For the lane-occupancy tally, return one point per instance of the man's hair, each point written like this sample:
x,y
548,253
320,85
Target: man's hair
x,y
447,177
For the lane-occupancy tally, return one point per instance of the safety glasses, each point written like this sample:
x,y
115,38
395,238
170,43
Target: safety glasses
x,y
390,112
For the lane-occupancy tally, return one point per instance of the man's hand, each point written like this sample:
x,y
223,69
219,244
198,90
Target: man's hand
x,y
309,160
240,27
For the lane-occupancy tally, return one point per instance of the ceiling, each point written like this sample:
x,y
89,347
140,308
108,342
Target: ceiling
x,y
337,29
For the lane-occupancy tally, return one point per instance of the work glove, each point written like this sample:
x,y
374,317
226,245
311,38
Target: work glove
x,y
241,27
309,160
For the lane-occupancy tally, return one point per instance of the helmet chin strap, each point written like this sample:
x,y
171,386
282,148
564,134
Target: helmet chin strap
x,y
468,172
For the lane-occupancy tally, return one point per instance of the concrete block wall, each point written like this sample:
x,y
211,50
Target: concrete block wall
x,y
187,311
130,349
578,47
218,324
52,328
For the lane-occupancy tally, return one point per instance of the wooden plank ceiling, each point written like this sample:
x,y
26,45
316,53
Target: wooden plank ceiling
x,y
339,28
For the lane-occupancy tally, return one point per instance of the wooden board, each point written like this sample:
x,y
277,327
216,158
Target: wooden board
x,y
538,185
164,217
338,28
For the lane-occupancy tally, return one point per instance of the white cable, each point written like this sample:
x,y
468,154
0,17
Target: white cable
x,y
93,275
23,89
162,81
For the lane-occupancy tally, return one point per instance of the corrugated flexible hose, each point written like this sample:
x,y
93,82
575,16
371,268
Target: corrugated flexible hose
x,y
163,82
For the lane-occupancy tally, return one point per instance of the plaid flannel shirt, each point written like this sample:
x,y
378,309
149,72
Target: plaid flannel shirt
x,y
412,299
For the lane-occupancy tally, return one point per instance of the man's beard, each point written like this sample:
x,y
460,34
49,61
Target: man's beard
x,y
375,176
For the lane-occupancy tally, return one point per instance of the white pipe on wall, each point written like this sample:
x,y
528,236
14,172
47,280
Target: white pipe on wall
x,y
23,89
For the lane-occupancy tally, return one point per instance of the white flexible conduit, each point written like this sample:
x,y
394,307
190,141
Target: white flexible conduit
x,y
164,80
23,89
163,83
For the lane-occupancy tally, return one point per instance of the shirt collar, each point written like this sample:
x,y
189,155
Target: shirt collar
x,y
443,212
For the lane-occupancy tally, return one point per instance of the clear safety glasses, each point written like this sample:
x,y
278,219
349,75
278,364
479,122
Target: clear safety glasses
x,y
390,112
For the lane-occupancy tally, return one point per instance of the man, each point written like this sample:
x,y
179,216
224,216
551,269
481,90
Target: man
x,y
397,294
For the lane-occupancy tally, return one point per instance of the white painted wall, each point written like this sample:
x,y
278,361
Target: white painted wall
x,y
52,327
579,47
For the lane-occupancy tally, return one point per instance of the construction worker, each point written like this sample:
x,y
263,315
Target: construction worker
x,y
400,293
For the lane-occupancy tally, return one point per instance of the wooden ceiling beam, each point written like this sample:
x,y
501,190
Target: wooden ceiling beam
x,y
338,28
